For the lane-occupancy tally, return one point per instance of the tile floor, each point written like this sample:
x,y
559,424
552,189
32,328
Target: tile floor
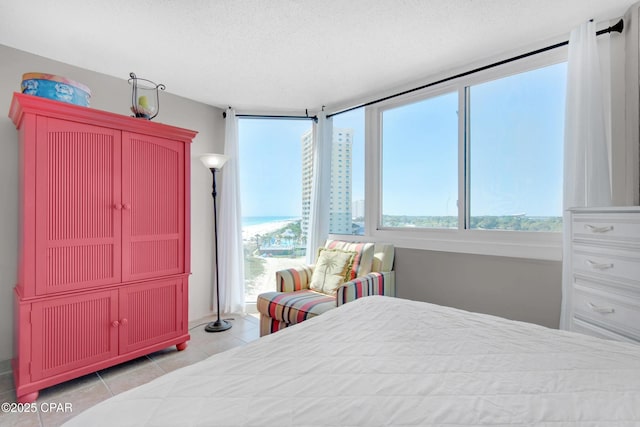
x,y
86,391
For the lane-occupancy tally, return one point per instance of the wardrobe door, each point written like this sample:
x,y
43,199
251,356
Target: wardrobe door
x,y
78,215
153,197
150,313
73,332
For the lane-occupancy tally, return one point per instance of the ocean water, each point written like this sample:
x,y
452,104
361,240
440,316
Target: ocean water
x,y
255,220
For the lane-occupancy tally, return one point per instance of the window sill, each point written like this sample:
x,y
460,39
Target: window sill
x,y
515,244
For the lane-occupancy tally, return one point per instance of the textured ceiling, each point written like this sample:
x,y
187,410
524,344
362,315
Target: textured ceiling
x,y
287,55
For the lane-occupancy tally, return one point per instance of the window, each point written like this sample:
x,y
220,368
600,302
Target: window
x,y
275,190
420,164
515,143
476,156
276,175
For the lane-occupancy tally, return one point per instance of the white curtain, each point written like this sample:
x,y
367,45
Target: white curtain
x,y
321,187
586,146
230,250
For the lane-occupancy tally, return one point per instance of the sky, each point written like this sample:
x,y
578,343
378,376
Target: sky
x,y
270,165
515,156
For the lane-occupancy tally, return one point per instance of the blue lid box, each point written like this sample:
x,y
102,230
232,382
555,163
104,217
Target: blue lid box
x,y
55,87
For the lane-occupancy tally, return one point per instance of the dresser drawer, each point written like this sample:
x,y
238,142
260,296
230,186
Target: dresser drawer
x,y
606,263
587,328
620,315
620,227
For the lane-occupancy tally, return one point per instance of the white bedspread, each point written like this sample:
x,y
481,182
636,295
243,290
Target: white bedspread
x,y
383,361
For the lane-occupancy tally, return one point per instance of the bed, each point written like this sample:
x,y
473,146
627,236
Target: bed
x,y
382,361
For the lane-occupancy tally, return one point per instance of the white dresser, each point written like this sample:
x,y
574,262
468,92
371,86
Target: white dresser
x,y
605,264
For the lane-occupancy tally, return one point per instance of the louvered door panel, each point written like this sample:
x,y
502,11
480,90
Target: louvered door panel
x,y
150,313
73,332
78,241
153,199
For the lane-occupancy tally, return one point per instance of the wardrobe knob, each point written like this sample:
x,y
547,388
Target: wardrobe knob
x,y
124,321
126,206
117,206
115,323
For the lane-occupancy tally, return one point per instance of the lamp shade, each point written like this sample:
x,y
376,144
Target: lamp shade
x,y
213,160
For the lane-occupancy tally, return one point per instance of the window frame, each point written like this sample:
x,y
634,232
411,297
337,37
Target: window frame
x,y
520,244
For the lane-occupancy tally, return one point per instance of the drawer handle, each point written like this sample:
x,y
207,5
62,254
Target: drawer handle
x,y
599,265
603,310
595,229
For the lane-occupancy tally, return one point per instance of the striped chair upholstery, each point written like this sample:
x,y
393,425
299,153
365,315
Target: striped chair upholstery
x,y
293,302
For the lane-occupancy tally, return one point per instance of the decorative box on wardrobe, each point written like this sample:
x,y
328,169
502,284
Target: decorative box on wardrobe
x,y
104,241
605,264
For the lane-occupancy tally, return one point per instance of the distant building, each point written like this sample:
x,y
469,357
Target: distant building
x,y
340,199
358,209
307,179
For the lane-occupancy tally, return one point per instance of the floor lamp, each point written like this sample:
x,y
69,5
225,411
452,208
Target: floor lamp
x,y
214,162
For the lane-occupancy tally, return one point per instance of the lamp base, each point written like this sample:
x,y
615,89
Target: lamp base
x,y
218,326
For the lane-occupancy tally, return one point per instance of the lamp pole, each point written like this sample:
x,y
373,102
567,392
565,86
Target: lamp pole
x,y
219,325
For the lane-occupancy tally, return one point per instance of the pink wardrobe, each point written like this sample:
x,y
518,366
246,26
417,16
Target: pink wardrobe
x,y
104,241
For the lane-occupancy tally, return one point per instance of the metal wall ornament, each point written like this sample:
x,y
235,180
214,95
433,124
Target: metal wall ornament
x,y
145,103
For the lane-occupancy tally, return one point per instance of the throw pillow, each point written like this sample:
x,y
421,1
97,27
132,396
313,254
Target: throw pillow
x,y
363,260
332,267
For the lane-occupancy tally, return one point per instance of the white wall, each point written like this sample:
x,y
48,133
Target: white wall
x,y
515,288
110,94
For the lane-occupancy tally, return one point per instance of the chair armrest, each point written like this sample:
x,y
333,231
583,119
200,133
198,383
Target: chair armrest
x,y
372,284
293,279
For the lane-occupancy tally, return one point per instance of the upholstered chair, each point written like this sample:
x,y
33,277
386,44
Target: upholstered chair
x,y
344,271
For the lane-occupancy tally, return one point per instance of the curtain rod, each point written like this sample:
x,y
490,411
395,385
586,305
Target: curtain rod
x,y
262,116
618,27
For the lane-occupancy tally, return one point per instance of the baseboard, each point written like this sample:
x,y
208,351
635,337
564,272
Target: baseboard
x,y
251,307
